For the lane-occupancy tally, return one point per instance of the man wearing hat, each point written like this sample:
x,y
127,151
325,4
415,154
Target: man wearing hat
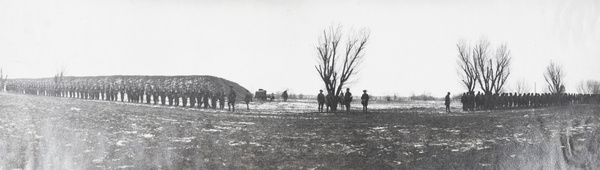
x,y
321,100
364,100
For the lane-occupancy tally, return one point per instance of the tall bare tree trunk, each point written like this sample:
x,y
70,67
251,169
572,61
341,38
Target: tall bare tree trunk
x,y
337,69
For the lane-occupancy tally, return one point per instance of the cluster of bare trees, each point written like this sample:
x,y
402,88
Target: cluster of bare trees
x,y
554,77
60,73
336,66
589,87
479,64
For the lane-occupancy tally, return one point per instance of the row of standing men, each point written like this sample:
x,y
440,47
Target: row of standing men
x,y
344,100
134,93
471,101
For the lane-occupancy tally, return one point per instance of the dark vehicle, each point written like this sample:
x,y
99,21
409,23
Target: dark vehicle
x,y
261,94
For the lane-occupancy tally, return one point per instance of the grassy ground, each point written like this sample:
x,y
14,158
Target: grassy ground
x,y
38,132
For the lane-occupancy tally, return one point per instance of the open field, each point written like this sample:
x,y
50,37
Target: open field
x,y
40,132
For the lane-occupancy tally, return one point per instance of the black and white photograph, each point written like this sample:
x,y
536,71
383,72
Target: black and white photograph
x,y
299,84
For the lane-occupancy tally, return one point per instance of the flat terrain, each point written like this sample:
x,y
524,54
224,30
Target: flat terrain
x,y
39,132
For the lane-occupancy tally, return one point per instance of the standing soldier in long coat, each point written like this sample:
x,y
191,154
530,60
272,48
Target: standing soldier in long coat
x,y
321,100
122,91
222,100
284,95
347,100
231,99
163,94
364,100
170,95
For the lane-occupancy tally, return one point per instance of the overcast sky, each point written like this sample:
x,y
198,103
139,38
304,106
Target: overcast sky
x,y
271,44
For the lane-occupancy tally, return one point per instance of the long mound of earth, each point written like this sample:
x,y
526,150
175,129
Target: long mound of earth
x,y
211,83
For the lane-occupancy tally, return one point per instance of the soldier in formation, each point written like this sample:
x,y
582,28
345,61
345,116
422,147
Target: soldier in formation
x,y
231,99
472,102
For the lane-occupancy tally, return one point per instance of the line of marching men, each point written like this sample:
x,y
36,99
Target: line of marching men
x,y
470,101
172,95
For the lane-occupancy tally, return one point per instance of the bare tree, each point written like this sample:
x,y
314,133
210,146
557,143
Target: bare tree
x,y
466,68
337,67
492,71
554,77
581,88
521,86
593,87
3,79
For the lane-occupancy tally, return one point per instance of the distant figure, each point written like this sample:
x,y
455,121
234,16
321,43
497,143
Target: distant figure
x,y
221,100
347,99
231,99
176,96
284,95
248,99
447,102
272,96
184,97
321,100
364,100
163,95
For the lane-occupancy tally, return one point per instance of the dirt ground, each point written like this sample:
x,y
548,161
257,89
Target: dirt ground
x,y
38,132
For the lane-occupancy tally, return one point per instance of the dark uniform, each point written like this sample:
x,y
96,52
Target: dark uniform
x,y
231,99
284,95
364,100
321,100
347,99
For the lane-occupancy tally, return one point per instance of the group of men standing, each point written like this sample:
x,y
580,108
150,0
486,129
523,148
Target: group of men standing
x,y
172,95
480,101
344,100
